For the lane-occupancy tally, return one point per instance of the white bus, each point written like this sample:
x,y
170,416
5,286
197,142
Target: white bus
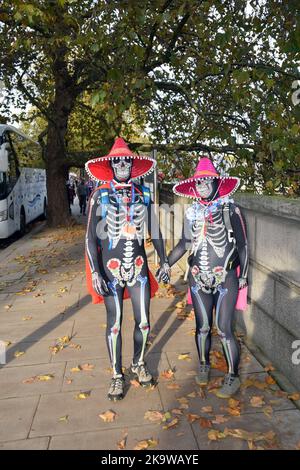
x,y
23,194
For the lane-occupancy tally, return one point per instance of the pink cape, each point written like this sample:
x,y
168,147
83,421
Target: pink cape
x,y
241,303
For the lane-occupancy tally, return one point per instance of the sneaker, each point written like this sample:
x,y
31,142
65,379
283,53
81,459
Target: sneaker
x,y
203,377
142,374
230,386
116,389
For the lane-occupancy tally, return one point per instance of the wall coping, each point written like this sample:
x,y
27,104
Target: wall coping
x,y
271,205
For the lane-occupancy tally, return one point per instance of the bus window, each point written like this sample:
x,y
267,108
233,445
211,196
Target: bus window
x,y
13,167
3,186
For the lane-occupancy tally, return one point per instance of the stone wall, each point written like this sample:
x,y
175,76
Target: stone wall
x,y
272,320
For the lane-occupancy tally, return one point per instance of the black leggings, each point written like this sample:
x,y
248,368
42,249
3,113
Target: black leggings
x,y
140,299
224,302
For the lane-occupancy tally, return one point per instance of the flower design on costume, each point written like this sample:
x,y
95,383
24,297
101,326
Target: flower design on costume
x,y
121,272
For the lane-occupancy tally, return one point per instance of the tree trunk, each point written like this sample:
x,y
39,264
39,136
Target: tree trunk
x,y
55,157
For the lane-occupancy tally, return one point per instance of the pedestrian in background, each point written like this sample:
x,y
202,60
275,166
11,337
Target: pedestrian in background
x,y
82,193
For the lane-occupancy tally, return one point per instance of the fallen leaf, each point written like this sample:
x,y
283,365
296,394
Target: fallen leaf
x,y
269,380
219,419
172,424
214,435
83,395
63,418
184,357
182,400
192,395
207,409
108,417
135,383
297,447
269,368
121,445
68,381
173,386
257,401
154,416
27,318
177,411
8,306
192,417
146,444
7,343
87,367
205,423
45,378
75,369
167,374
294,396
268,410
19,353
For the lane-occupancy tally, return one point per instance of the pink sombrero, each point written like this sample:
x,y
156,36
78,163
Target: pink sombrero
x,y
99,168
206,170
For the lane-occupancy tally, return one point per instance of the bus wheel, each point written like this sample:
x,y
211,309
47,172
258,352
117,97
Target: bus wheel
x,y
22,222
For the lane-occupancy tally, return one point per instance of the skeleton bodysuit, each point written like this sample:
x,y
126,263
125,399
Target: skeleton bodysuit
x,y
118,219
215,233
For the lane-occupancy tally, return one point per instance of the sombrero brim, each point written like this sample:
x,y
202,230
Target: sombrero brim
x,y
100,169
187,188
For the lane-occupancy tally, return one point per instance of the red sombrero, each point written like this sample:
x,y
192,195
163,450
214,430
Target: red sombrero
x,y
206,170
99,168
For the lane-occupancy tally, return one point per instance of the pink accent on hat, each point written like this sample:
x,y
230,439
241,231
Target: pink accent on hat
x,y
99,168
206,170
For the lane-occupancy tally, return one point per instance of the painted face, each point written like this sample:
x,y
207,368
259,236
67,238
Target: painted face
x,y
122,168
205,188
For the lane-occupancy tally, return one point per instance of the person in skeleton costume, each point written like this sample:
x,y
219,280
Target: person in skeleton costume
x,y
116,260
215,232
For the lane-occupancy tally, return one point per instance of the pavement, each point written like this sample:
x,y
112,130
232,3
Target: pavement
x,y
54,384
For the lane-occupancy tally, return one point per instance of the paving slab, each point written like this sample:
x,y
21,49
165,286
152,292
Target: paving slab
x,y
40,443
16,416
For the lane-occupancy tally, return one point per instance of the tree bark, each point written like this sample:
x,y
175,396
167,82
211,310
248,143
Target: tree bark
x,y
55,153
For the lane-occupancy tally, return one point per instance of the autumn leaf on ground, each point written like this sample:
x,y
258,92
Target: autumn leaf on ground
x,y
251,382
121,445
177,411
192,395
108,417
7,343
75,346
205,423
8,306
269,368
63,418
180,304
184,357
135,383
250,436
45,378
268,410
297,447
269,380
207,409
83,395
192,417
294,396
218,361
19,353
172,424
69,381
87,367
75,369
257,401
182,400
146,444
214,435
27,318
219,419
167,374
154,416
173,386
